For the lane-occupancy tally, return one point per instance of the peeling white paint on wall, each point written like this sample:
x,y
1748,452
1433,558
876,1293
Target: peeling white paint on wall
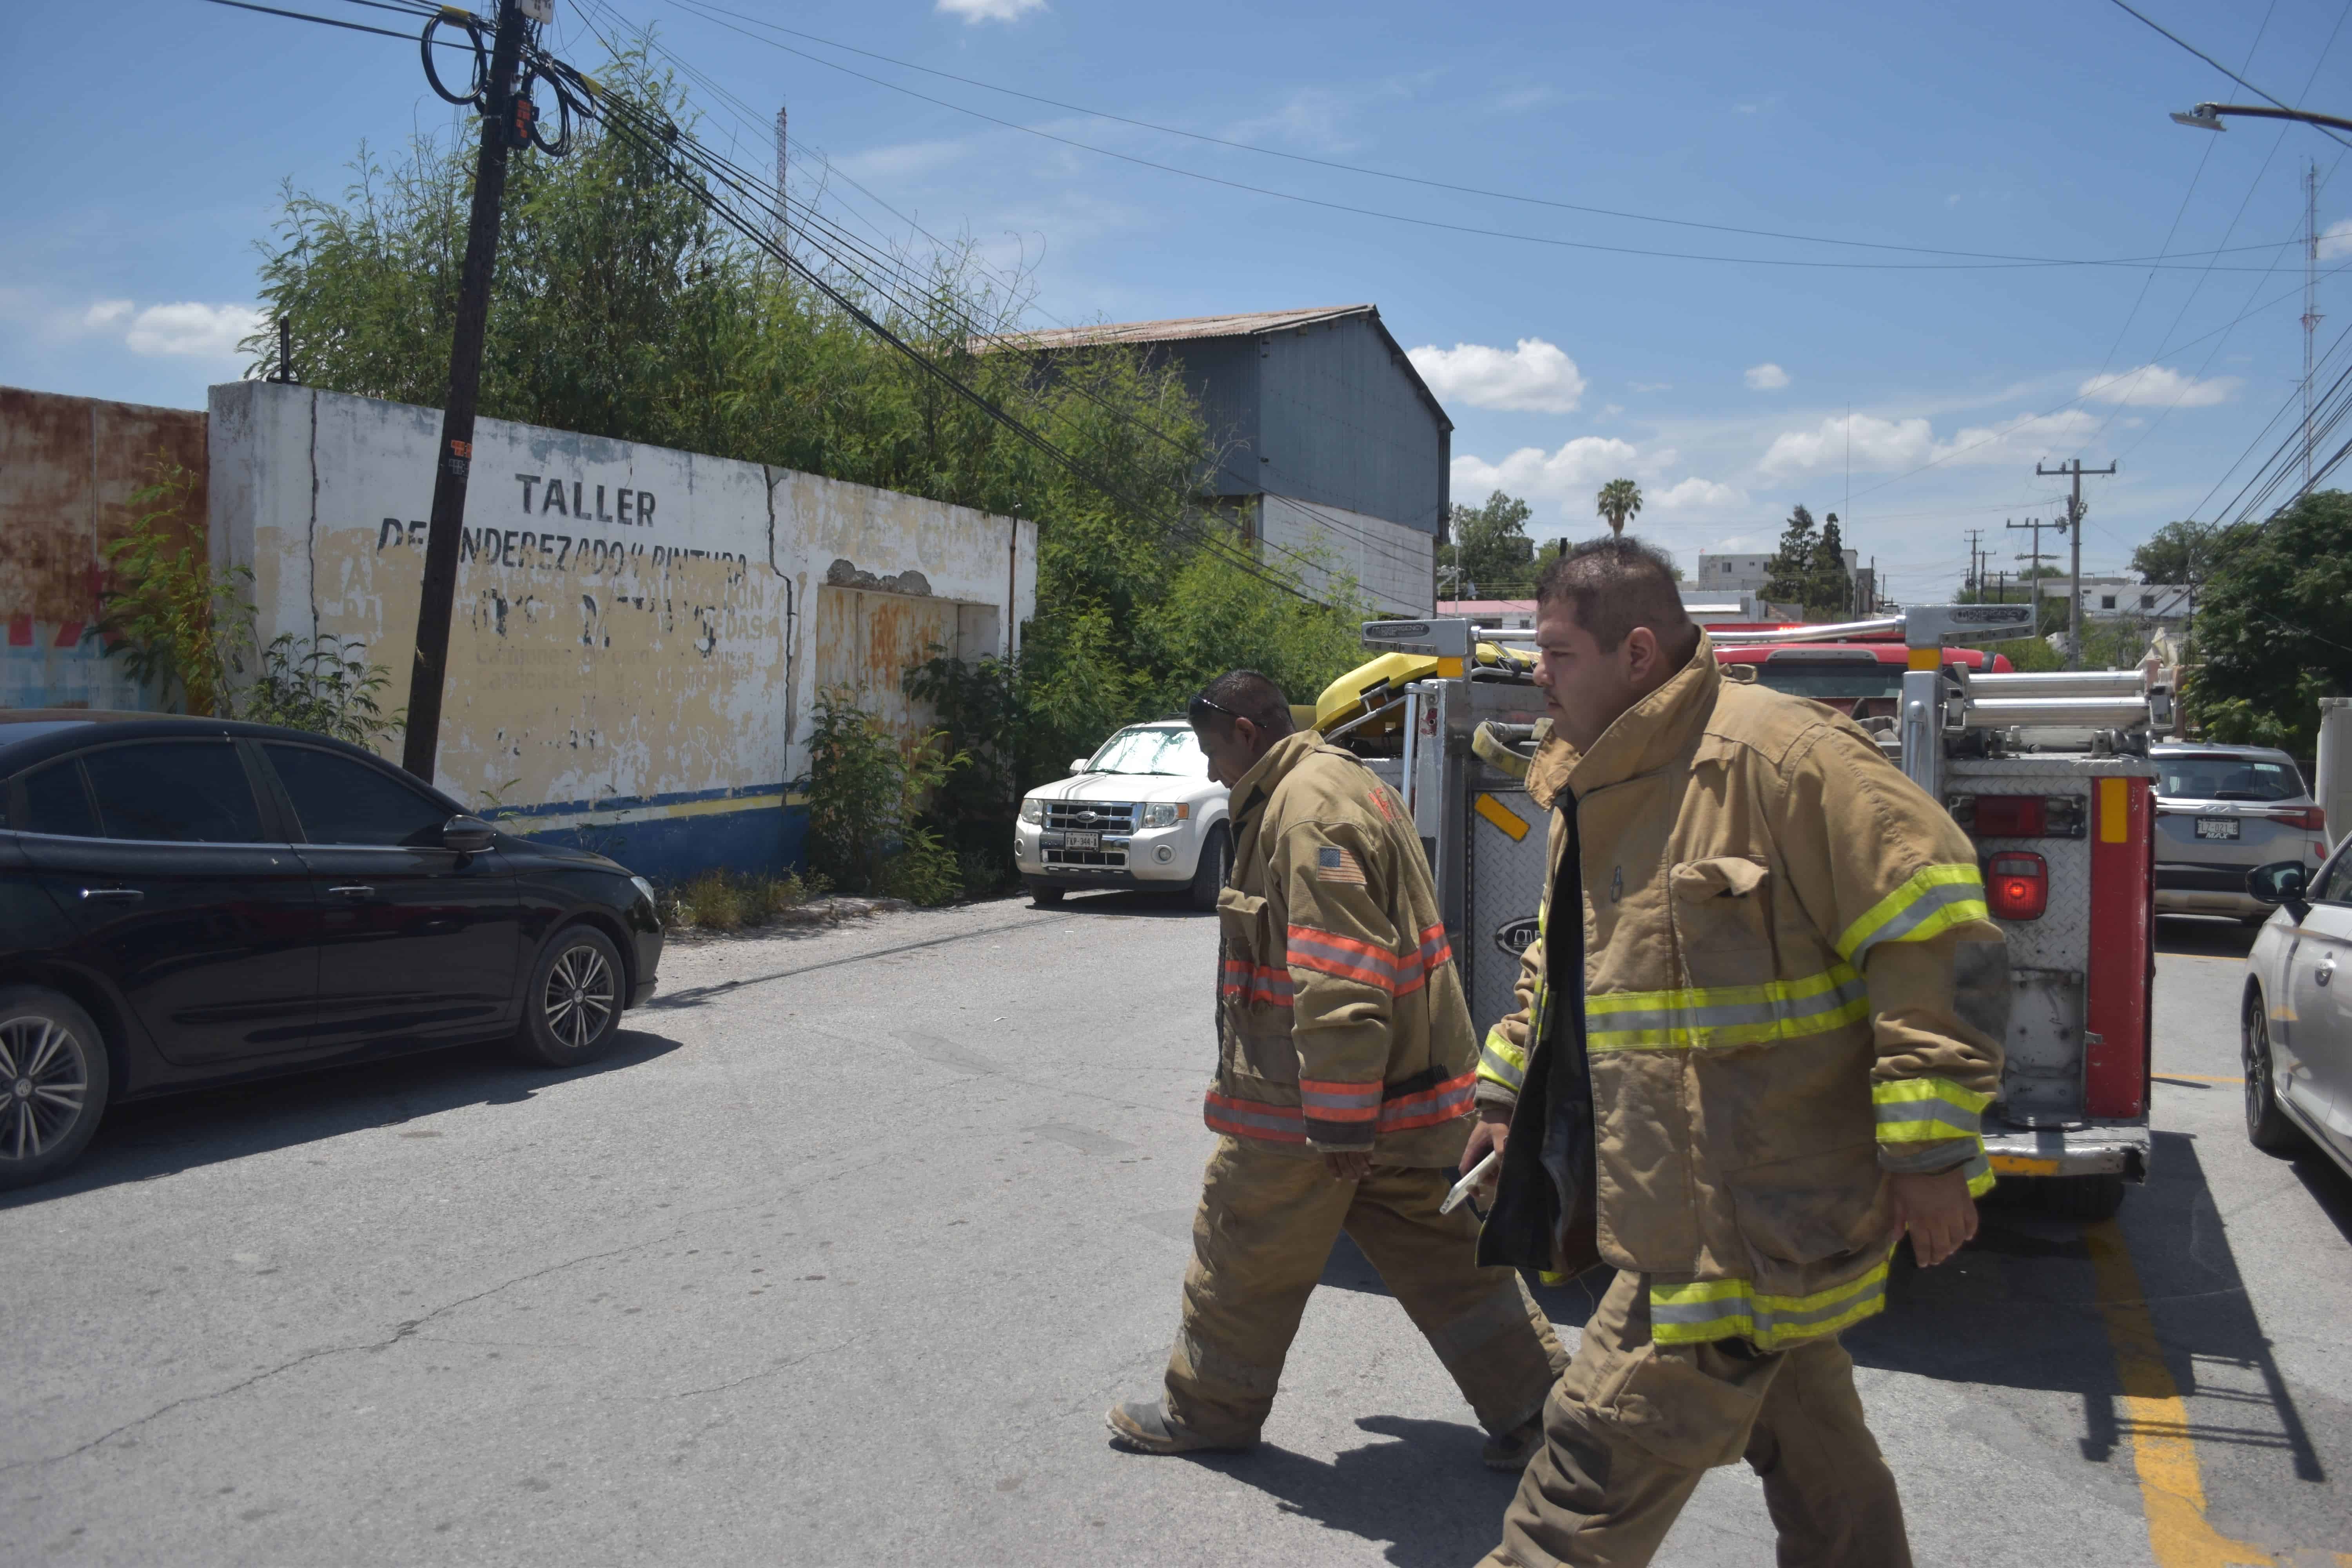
x,y
633,624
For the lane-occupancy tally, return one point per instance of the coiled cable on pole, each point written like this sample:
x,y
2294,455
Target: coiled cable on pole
x,y
473,27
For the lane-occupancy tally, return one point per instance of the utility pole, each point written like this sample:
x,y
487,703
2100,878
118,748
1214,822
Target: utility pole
x,y
2310,299
1976,563
2073,467
507,123
783,222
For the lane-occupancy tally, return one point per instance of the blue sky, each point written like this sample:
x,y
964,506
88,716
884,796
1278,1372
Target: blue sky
x,y
150,138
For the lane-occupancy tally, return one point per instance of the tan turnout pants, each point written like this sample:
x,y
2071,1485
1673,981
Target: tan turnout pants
x,y
1634,1424
1263,1231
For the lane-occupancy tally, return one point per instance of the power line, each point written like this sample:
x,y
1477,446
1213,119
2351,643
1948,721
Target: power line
x,y
704,7
1996,265
2218,66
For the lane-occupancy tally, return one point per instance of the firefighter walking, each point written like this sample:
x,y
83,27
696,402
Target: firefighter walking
x,y
1737,1074
1345,1075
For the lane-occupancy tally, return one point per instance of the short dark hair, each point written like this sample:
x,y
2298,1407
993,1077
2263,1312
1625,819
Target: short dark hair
x,y
1613,583
1244,694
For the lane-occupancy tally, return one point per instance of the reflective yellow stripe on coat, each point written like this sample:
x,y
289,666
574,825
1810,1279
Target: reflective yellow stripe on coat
x,y
1701,1017
1733,1309
1928,903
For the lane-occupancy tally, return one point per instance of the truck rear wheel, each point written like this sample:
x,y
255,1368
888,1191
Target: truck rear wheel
x,y
2085,1198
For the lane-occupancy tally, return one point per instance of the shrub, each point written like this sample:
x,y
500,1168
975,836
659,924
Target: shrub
x,y
868,791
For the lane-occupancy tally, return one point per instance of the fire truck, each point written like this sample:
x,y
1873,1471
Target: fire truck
x,y
2048,773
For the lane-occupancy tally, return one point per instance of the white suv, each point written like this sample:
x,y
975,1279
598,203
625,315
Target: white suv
x,y
1141,813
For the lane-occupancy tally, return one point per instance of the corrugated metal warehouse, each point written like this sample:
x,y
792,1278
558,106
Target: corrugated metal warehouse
x,y
1332,449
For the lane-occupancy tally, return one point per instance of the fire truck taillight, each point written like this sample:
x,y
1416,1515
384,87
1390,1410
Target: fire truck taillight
x,y
2018,815
2017,885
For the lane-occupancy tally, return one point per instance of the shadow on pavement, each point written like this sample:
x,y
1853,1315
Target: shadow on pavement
x,y
2020,1308
1567,1305
1127,904
147,1139
1424,1493
2204,936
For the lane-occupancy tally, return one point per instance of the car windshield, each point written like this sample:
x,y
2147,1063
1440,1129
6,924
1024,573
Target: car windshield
x,y
2228,778
1152,749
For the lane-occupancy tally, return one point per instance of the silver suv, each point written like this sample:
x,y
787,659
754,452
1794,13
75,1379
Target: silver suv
x,y
2221,811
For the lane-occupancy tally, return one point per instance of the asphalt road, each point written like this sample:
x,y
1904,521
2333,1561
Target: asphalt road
x,y
841,1256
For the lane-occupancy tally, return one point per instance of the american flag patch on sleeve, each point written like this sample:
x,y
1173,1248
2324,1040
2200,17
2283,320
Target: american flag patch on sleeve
x,y
1336,865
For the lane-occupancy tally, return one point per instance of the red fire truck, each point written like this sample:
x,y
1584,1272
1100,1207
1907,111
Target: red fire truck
x,y
2047,772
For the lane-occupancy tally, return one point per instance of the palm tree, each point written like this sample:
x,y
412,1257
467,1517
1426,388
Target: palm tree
x,y
1618,500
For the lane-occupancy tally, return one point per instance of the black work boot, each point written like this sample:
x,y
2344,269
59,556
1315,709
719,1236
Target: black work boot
x,y
1511,1451
1145,1427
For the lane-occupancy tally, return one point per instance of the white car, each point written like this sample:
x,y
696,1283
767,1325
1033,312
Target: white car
x,y
1141,813
2296,1019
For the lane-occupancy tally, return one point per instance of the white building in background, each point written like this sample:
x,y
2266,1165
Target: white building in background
x,y
2112,598
1718,574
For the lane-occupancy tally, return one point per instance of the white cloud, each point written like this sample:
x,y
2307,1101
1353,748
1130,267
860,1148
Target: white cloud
x,y
1882,446
2335,239
1692,497
194,331
1562,482
2155,386
977,11
182,330
1535,376
904,160
1766,377
1582,464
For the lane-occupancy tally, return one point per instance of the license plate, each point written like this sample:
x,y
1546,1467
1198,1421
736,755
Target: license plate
x,y
2217,828
1083,840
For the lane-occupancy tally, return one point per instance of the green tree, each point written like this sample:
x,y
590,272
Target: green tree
x,y
1828,587
1491,551
2182,553
2274,626
1788,575
1618,500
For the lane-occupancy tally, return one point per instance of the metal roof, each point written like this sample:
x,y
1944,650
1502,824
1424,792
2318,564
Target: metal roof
x,y
1245,324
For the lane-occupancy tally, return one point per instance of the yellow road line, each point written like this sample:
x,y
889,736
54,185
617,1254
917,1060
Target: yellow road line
x,y
2199,1077
2171,1488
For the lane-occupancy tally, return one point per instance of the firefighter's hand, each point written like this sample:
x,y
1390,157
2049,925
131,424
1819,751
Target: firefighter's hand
x,y
1352,1167
1494,1130
1938,1213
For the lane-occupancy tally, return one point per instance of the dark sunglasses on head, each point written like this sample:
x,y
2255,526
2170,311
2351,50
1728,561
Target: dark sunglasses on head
x,y
1192,712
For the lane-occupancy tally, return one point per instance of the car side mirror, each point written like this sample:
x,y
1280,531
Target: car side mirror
x,y
467,834
1079,764
2279,882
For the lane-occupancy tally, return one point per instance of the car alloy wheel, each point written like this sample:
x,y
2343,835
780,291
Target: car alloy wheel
x,y
45,1077
580,996
2267,1127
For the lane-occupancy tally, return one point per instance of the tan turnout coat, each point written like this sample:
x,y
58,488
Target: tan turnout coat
x,y
1770,909
1341,1019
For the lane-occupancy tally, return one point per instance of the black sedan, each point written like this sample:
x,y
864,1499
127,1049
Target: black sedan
x,y
188,902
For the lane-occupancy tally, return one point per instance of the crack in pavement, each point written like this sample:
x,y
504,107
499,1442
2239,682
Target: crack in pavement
x,y
402,1331
695,995
755,1376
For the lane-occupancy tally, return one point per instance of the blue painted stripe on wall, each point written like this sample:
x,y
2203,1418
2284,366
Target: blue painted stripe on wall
x,y
767,838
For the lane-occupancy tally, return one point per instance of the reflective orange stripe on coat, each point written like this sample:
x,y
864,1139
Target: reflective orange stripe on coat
x,y
1346,958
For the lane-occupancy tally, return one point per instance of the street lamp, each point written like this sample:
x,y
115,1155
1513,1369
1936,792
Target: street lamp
x,y
2208,116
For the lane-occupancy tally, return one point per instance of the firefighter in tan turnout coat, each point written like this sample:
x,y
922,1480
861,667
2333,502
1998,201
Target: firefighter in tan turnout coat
x,y
1738,1075
1346,1068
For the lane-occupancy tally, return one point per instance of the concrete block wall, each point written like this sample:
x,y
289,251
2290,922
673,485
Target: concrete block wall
x,y
636,652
